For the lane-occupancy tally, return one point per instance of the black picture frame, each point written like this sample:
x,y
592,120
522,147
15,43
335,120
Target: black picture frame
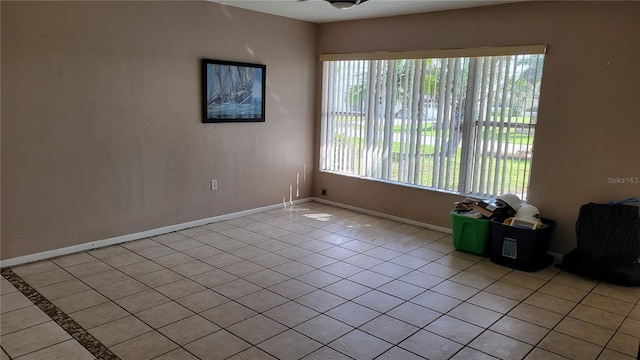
x,y
233,91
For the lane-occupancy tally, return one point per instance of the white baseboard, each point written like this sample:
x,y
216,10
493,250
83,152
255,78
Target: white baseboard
x,y
386,216
139,235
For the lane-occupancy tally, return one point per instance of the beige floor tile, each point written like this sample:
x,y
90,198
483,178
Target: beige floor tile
x,y
475,314
430,345
630,327
421,279
143,347
352,314
228,314
563,291
235,289
289,345
141,268
34,268
21,319
108,251
219,345
6,287
320,300
389,269
123,259
370,279
488,269
292,288
294,268
325,353
378,301
164,314
319,278
471,354
608,304
624,293
142,301
596,316
62,289
202,252
177,354
454,329
139,244
252,354
173,259
455,290
73,259
583,330
626,344
168,237
13,301
401,289
576,281
88,268
436,301
248,252
80,301
508,290
33,338
120,330
270,260
256,329
389,329
192,268
122,289
179,289
520,330
104,278
184,244
523,280
262,300
414,314
98,315
47,278
541,354
536,315
291,314
549,302
195,231
493,302
473,280
569,346
68,350
347,289
456,262
439,270
243,268
156,252
202,300
608,354
500,346
323,329
213,278
360,345
189,329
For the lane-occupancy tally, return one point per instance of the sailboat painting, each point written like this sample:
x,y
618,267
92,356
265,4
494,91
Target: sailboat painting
x,y
233,91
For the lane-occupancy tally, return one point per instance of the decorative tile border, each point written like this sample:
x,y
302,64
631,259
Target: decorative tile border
x,y
95,347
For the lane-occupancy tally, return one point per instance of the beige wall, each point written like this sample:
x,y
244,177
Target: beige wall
x,y
589,117
101,118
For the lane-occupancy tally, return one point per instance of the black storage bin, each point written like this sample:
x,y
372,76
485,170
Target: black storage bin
x,y
519,248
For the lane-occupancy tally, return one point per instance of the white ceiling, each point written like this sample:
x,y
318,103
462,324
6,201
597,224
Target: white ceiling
x,y
320,11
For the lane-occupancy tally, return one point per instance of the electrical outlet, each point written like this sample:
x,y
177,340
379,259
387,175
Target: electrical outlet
x,y
214,184
324,191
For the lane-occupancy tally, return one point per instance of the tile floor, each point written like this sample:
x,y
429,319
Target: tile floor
x,y
309,282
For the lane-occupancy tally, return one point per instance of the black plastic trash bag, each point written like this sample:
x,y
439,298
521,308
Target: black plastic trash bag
x,y
608,237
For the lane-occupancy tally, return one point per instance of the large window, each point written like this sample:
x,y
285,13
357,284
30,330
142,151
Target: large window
x,y
439,120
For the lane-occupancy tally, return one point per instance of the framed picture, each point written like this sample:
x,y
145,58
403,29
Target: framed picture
x,y
233,91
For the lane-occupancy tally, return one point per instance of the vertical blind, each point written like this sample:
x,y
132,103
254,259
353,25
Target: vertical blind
x,y
462,124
